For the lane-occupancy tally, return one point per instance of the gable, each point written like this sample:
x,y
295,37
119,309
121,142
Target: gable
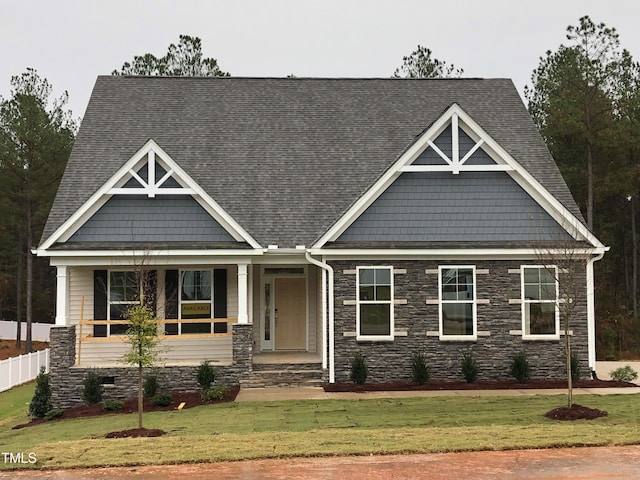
x,y
457,184
138,218
150,199
440,207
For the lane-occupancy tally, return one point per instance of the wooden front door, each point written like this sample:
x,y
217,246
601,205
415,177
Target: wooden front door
x,y
291,313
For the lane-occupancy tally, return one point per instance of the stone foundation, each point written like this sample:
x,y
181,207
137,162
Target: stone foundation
x,y
122,381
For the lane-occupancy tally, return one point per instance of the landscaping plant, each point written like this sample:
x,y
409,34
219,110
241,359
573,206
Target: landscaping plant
x,y
111,405
41,401
624,374
520,368
151,385
162,399
419,369
214,393
359,370
93,389
206,375
575,368
469,367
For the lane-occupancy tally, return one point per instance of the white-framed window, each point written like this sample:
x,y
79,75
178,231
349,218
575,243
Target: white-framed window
x,y
540,316
374,303
457,297
195,301
123,292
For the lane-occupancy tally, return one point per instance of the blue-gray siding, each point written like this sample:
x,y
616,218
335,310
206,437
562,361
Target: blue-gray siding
x,y
442,207
134,218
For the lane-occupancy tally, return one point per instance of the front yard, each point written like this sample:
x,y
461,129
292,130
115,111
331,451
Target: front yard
x,y
251,430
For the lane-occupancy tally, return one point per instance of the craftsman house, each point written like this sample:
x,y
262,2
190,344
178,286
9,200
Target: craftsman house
x,y
284,225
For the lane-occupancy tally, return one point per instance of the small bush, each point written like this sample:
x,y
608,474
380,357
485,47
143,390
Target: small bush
x,y
214,393
41,401
469,367
150,386
575,368
520,368
111,405
359,370
419,369
93,389
624,374
206,375
54,413
162,400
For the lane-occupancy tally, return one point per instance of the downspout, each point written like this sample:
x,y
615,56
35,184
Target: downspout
x,y
327,268
591,311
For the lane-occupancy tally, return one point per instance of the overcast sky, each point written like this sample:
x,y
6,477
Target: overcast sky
x,y
72,42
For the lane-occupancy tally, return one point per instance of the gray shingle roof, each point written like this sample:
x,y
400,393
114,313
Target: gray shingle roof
x,y
286,157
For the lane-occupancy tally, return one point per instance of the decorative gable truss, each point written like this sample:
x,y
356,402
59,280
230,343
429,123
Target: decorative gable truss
x,y
150,173
455,143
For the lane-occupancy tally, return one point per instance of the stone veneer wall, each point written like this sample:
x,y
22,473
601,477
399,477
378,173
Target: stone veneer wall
x,y
391,360
67,380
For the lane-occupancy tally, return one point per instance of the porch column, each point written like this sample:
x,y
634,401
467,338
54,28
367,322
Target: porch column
x,y
62,295
243,316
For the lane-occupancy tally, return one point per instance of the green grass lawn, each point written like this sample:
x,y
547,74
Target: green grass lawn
x,y
248,430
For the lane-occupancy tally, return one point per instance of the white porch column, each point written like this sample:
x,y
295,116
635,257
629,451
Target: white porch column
x,y
243,315
62,295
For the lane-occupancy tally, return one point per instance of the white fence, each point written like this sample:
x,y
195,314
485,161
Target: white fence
x,y
39,331
17,370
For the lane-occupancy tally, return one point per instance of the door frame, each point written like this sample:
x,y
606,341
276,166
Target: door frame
x,y
268,275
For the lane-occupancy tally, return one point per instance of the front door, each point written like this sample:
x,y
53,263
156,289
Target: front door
x,y
290,313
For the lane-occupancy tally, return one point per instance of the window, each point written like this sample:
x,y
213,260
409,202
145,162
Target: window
x,y
540,319
457,303
375,303
196,300
124,291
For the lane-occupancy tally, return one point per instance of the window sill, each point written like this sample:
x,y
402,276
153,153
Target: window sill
x,y
372,338
458,338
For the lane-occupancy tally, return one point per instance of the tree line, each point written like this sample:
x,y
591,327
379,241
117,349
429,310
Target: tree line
x,y
584,98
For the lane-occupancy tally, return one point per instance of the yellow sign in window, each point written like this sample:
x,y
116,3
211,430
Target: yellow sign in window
x,y
196,310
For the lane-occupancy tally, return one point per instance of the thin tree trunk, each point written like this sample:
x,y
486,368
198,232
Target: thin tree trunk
x,y
140,404
29,307
589,187
567,349
634,243
19,296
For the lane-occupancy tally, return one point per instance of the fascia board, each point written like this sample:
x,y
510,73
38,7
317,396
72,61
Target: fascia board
x,y
99,198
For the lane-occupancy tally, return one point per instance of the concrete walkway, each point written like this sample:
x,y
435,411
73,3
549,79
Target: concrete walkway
x,y
317,393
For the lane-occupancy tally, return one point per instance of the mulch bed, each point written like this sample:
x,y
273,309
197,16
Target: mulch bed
x,y
575,412
136,432
190,399
496,385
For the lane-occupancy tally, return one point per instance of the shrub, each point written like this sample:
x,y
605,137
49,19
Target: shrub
x,y
215,393
93,389
469,367
520,368
206,375
54,413
575,368
359,370
419,369
41,401
150,386
624,374
162,400
111,405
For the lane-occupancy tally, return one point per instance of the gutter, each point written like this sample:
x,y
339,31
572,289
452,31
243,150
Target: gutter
x,y
329,270
591,312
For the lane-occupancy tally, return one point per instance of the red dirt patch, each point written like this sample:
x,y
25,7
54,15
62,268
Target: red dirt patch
x,y
575,412
508,385
190,399
8,348
136,432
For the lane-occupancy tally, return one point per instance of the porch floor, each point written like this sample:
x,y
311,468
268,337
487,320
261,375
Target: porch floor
x,y
266,358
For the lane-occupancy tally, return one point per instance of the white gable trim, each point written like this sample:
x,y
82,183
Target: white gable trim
x,y
504,162
151,188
